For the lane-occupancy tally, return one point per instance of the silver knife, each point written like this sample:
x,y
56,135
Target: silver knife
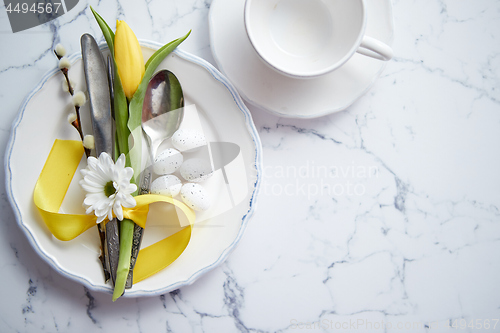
x,y
100,104
102,125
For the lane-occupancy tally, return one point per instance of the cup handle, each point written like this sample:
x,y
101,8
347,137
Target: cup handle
x,y
374,48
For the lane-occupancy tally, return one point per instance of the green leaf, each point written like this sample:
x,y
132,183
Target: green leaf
x,y
121,117
109,35
162,52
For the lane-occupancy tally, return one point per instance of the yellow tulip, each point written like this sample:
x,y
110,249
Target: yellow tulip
x,y
129,59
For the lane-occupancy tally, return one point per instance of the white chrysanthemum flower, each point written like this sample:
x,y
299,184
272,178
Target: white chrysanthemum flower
x,y
64,63
79,99
108,187
60,50
89,141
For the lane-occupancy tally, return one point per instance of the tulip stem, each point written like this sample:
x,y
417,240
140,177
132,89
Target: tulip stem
x,y
126,232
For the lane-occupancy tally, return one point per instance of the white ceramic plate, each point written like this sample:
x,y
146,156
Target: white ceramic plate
x,y
43,118
284,96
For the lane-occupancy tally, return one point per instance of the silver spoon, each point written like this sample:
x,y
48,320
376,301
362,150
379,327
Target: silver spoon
x,y
162,111
162,114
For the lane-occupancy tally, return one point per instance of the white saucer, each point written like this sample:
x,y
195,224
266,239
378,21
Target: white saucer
x,y
284,96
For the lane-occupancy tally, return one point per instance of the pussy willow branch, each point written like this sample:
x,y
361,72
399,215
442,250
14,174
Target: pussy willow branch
x,y
65,73
77,124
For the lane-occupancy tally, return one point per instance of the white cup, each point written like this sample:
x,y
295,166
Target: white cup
x,y
309,38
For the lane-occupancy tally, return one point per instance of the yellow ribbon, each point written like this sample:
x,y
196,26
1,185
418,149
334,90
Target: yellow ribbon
x,y
51,188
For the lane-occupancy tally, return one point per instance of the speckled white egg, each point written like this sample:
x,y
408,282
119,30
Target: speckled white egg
x,y
166,185
195,197
187,139
196,170
168,161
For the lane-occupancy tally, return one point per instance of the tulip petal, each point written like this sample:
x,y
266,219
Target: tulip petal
x,y
129,59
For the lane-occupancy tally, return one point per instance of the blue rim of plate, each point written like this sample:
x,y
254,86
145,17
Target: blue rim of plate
x,y
252,204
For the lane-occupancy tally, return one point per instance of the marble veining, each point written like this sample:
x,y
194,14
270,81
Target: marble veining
x,y
382,217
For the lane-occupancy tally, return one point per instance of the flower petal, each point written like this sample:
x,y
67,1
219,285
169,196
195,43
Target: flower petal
x,y
129,59
117,209
120,162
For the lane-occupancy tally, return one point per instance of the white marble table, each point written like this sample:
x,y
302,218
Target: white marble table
x,y
412,243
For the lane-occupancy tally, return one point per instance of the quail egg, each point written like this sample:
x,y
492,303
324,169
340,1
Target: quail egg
x,y
168,161
196,170
195,197
187,139
166,185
